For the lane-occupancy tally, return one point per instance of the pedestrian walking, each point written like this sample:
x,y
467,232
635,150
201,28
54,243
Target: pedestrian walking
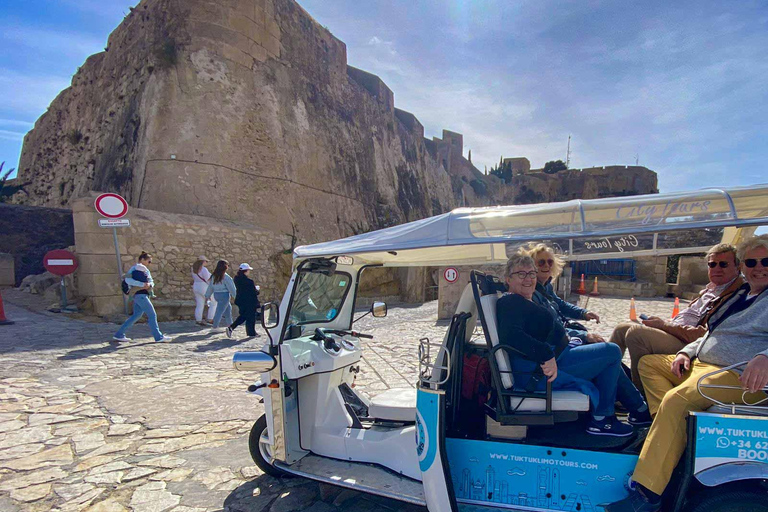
x,y
140,282
201,276
247,301
222,288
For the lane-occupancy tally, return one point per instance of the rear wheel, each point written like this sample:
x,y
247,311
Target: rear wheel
x,y
261,450
731,501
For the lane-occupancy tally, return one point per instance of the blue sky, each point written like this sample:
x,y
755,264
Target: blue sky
x,y
683,86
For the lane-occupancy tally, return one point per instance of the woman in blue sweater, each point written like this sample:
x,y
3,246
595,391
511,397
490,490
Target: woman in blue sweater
x,y
222,287
594,368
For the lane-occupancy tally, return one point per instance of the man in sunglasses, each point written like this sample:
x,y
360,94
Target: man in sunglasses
x,y
737,332
657,336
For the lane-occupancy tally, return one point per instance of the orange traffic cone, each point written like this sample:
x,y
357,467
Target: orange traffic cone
x,y
594,292
582,287
632,310
676,309
3,320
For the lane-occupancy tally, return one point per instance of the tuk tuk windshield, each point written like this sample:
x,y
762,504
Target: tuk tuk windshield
x,y
318,297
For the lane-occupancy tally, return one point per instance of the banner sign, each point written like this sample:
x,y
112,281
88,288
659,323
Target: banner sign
x,y
721,439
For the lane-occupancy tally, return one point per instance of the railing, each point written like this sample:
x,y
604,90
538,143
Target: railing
x,y
428,364
753,406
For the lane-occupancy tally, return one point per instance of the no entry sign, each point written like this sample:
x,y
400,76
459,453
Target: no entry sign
x,y
60,262
451,274
111,206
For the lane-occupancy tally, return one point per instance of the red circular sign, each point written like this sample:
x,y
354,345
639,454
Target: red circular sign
x,y
451,274
111,206
60,262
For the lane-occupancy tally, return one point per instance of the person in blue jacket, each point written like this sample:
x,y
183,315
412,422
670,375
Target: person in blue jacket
x,y
222,288
140,281
548,268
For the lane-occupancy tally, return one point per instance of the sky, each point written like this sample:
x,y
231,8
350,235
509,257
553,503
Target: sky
x,y
680,87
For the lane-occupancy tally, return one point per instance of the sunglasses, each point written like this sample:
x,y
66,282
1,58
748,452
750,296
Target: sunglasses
x,y
713,264
522,275
546,262
752,262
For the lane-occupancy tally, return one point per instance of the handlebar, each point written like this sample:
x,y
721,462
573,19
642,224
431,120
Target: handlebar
x,y
700,386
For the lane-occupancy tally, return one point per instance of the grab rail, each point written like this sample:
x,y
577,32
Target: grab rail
x,y
427,365
753,406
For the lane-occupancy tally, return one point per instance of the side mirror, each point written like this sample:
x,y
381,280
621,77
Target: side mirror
x,y
270,315
379,309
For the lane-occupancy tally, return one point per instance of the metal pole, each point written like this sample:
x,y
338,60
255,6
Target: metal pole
x,y
63,293
119,270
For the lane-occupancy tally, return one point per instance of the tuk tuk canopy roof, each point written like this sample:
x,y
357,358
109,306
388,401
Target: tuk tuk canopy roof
x,y
653,224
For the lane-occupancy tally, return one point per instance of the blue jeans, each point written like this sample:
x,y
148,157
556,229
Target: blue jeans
x,y
600,363
223,308
142,305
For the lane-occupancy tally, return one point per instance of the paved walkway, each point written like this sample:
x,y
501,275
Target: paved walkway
x,y
86,424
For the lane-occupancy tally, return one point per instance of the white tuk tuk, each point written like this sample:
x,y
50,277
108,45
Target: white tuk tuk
x,y
411,444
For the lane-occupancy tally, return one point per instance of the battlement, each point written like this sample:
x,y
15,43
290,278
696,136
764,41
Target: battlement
x,y
374,85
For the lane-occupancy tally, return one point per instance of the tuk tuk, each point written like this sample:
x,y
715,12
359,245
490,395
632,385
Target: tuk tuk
x,y
524,450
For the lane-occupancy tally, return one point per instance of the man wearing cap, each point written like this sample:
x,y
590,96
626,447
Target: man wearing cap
x,y
200,278
246,300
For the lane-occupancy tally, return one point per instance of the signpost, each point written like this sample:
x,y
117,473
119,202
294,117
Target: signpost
x,y
114,207
61,263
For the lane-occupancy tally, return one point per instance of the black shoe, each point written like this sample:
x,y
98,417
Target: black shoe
x,y
640,419
635,502
609,426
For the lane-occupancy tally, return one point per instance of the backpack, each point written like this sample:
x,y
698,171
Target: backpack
x,y
476,379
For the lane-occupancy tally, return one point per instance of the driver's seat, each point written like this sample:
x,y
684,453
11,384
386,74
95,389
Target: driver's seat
x,y
397,404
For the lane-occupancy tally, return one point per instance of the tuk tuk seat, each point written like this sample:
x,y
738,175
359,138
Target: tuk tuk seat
x,y
562,400
397,404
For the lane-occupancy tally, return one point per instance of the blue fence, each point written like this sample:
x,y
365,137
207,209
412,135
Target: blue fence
x,y
619,270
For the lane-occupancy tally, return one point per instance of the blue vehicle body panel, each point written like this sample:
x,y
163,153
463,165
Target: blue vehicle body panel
x,y
723,439
536,477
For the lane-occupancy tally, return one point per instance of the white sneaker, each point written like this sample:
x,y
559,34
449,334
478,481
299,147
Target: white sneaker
x,y
229,332
165,339
123,338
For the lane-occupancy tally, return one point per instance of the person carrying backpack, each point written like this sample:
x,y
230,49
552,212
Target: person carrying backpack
x,y
140,284
247,301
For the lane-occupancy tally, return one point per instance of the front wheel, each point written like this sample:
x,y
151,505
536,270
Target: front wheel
x,y
261,450
731,501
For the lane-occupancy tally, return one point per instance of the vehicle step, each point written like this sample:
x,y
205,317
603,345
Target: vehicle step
x,y
357,476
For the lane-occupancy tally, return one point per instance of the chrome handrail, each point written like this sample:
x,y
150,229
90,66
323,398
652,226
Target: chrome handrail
x,y
753,406
427,367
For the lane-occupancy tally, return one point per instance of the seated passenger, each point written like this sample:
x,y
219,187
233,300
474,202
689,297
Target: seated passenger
x,y
738,331
657,336
548,268
593,369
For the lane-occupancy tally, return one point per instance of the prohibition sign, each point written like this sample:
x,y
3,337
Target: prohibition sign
x,y
111,206
451,274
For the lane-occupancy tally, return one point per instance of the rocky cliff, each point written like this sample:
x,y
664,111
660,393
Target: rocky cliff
x,y
247,110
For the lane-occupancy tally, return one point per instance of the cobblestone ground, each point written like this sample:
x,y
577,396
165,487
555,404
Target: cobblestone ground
x,y
86,424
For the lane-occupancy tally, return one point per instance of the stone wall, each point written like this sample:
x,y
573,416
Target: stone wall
x,y
28,233
175,241
653,270
7,276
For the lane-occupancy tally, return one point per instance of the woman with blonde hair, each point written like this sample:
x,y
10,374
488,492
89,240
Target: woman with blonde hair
x,y
200,279
549,266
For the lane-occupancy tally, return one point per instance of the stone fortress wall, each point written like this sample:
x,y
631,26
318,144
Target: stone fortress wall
x,y
245,115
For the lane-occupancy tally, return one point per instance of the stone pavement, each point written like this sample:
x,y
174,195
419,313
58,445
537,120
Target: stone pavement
x,y
86,424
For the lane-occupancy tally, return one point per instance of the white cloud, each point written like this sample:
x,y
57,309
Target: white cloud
x,y
11,135
25,95
52,41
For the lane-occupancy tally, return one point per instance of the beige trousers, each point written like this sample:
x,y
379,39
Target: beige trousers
x,y
670,399
642,341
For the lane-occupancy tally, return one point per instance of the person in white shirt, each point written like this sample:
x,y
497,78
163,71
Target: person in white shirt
x,y
201,277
